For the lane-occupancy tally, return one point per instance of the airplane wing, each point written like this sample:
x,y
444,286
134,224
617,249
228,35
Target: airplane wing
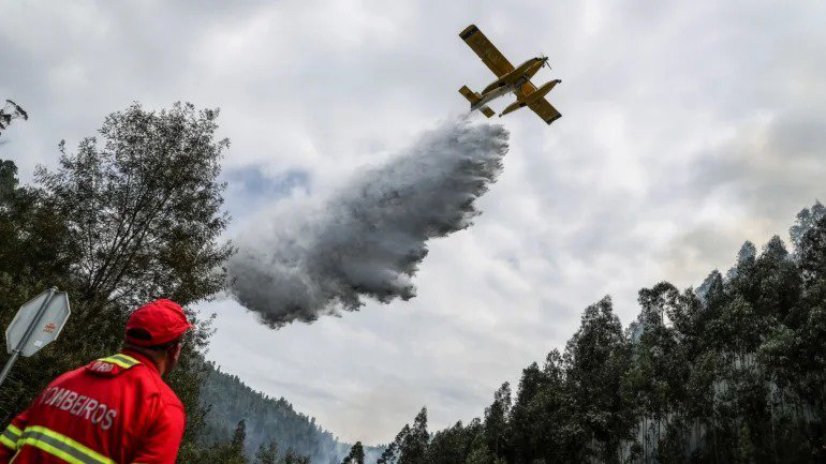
x,y
545,110
493,58
526,89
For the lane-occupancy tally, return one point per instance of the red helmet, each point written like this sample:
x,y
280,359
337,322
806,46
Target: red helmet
x,y
156,323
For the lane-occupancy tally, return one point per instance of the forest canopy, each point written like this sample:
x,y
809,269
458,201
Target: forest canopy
x,y
731,372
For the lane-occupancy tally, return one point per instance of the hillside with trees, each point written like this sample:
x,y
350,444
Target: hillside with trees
x,y
266,420
732,372
270,425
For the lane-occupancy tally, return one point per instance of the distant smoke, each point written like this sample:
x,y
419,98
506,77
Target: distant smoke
x,y
369,238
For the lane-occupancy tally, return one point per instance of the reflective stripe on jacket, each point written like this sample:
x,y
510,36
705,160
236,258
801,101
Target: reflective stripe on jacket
x,y
114,410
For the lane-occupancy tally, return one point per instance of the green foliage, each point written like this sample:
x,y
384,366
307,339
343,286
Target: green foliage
x,y
8,179
34,255
481,454
595,360
453,444
496,426
143,206
413,447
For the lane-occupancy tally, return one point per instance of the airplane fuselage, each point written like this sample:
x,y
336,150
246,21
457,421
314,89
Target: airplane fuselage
x,y
510,82
509,79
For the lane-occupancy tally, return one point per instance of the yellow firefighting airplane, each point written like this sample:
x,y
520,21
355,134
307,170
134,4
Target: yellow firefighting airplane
x,y
510,79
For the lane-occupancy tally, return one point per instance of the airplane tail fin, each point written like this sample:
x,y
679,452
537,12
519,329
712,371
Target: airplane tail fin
x,y
471,96
474,97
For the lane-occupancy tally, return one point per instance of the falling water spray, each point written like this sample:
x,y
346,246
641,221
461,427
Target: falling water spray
x,y
312,258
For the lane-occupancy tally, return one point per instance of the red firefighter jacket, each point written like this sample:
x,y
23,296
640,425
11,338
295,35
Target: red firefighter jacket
x,y
113,410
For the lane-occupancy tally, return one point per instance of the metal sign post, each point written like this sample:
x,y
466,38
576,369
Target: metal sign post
x,y
47,312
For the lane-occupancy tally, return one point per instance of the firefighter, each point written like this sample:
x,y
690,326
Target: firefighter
x,y
115,409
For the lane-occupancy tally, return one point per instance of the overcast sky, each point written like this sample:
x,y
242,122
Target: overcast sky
x,y
688,128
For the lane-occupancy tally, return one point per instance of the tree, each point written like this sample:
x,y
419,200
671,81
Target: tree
x,y
267,454
33,237
596,358
453,444
293,458
239,437
144,206
812,253
790,351
523,422
390,455
8,179
806,219
33,257
356,455
482,455
497,433
226,452
658,372
413,447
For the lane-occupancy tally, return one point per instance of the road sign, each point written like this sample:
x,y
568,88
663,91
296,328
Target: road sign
x,y
46,328
37,323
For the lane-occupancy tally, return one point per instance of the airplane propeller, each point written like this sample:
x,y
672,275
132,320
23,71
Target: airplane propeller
x,y
544,60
